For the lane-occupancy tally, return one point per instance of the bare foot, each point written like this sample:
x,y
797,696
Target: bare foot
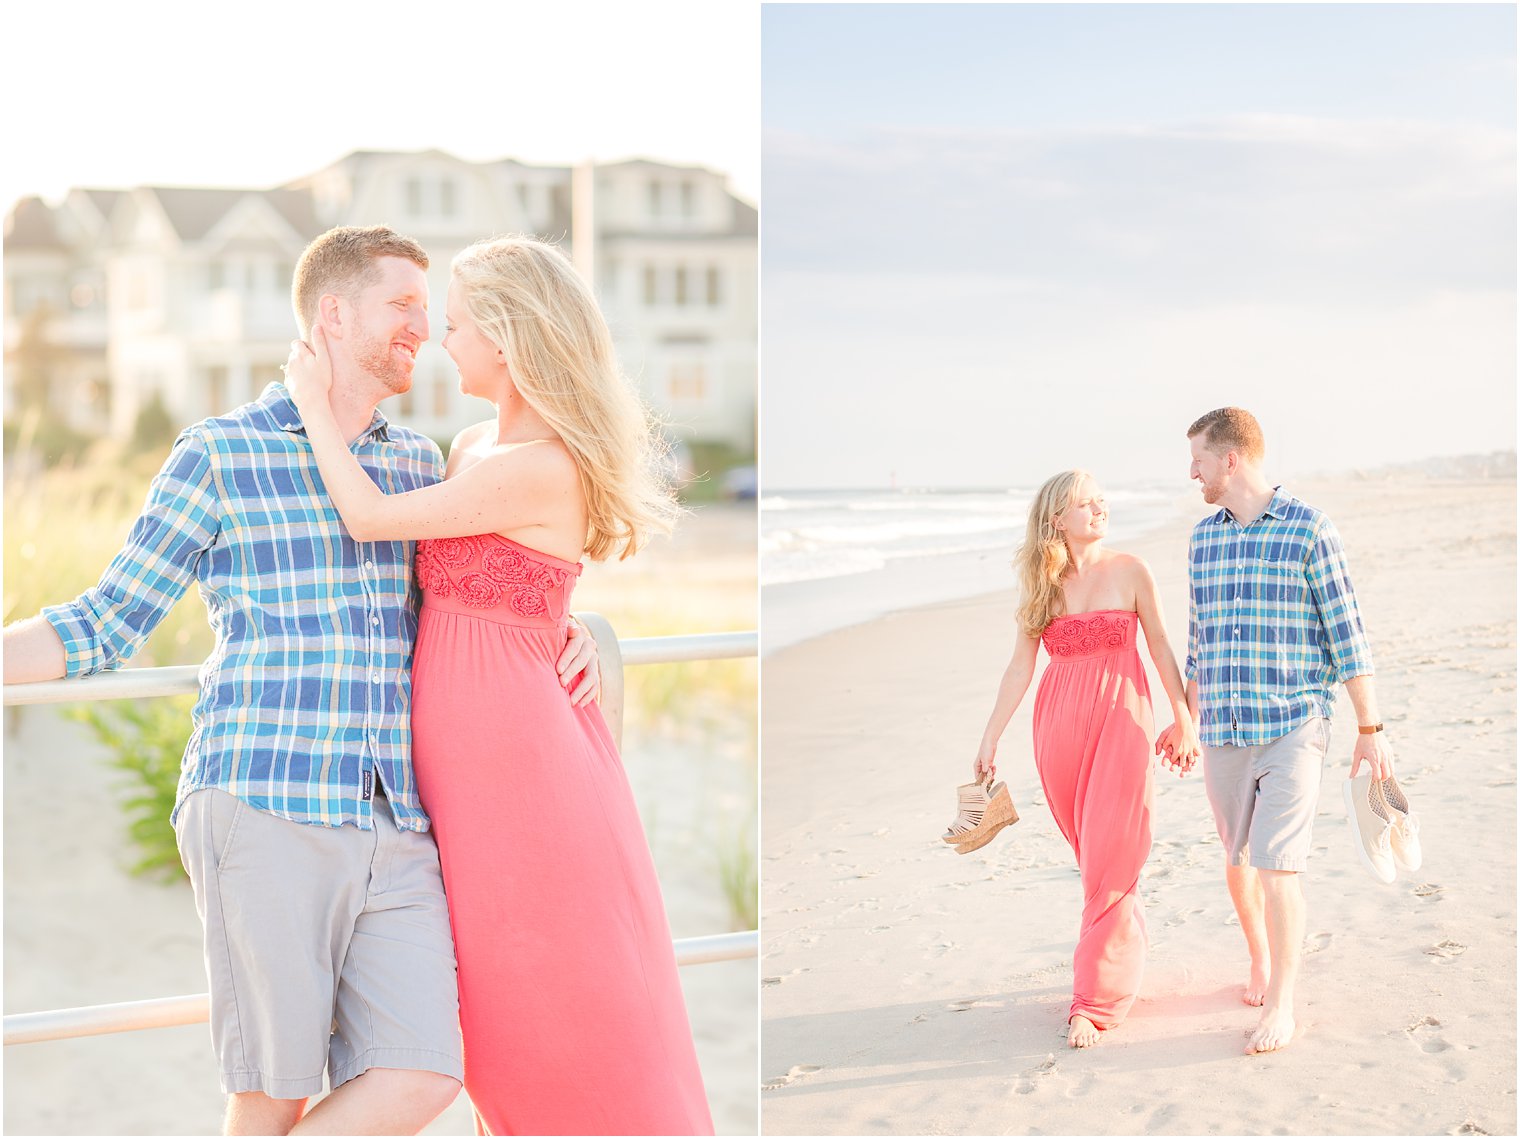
x,y
1083,1034
1273,1031
1256,988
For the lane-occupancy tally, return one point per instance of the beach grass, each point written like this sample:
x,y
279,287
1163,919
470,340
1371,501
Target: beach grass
x,y
65,523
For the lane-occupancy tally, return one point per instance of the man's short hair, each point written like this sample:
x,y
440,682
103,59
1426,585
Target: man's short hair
x,y
1231,429
342,261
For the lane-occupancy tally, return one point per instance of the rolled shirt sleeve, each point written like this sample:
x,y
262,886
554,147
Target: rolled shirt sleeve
x,y
1190,665
106,624
1329,582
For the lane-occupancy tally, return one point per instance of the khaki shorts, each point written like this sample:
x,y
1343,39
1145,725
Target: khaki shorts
x,y
1264,797
327,948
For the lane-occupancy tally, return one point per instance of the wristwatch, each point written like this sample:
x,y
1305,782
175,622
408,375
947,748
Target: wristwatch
x,y
1369,729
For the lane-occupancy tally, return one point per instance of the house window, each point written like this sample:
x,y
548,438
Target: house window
x,y
216,388
688,199
687,381
216,275
680,284
441,393
414,196
651,285
656,199
137,289
714,285
446,198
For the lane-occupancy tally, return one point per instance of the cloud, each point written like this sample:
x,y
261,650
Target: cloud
x,y
1256,208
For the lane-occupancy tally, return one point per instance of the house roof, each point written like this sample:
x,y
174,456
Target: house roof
x,y
30,225
194,210
102,200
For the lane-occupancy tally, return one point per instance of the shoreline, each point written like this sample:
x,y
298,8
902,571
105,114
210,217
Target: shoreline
x,y
812,594
909,989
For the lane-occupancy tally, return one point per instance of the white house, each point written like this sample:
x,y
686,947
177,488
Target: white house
x,y
185,292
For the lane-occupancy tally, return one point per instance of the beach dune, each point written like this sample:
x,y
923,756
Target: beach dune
x,y
908,989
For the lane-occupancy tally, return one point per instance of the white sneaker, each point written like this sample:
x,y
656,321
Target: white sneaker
x,y
1405,836
1370,826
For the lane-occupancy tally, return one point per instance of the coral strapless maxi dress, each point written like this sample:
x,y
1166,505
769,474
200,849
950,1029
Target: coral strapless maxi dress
x,y
1092,746
569,998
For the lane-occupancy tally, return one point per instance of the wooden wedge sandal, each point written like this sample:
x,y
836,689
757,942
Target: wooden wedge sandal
x,y
985,809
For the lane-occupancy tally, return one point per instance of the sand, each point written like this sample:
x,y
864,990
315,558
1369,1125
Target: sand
x,y
908,989
79,930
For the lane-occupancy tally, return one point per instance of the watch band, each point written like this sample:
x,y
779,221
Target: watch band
x,y
1369,729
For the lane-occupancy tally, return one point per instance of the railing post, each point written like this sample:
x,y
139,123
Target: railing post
x,y
612,672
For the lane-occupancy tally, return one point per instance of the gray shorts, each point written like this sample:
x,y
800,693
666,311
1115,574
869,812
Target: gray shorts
x,y
327,948
1264,797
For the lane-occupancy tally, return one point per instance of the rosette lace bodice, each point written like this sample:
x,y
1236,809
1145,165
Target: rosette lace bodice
x,y
489,576
1090,634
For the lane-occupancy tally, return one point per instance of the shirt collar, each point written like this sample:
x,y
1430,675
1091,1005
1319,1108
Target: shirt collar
x,y
1276,508
282,409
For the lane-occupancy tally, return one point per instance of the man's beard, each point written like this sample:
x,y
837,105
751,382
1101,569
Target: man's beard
x,y
375,358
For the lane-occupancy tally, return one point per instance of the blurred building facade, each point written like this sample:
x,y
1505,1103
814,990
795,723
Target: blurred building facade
x,y
116,297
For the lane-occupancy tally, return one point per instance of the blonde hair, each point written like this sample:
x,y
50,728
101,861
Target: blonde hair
x,y
1042,559
528,300
342,261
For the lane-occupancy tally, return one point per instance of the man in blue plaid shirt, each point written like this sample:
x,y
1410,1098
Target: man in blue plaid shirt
x,y
297,814
1273,626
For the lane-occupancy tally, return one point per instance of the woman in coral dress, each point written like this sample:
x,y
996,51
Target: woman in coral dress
x,y
1093,728
570,1002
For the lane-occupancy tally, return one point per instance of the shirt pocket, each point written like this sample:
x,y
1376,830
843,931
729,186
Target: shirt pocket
x,y
1279,582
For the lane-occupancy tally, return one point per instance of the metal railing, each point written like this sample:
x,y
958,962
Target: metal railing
x,y
143,683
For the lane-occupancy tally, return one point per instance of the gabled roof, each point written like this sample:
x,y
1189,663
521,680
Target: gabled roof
x,y
103,200
30,225
194,210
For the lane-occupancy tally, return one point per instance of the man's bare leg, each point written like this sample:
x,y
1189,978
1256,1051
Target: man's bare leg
x,y
1285,939
381,1101
1246,893
254,1113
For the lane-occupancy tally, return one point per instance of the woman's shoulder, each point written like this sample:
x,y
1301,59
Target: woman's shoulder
x,y
1128,565
547,459
472,435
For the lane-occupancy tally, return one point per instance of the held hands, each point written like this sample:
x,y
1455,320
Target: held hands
x,y
308,372
1178,746
1374,751
581,659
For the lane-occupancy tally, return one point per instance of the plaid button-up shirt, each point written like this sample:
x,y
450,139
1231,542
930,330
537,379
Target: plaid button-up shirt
x,y
1272,622
306,697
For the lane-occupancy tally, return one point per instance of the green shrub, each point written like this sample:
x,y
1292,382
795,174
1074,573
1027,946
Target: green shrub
x,y
146,741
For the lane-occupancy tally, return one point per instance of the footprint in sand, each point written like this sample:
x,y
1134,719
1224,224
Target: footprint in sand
x,y
780,979
1426,890
1030,1080
1470,1128
795,1073
1317,941
1447,949
973,1002
940,948
1425,1033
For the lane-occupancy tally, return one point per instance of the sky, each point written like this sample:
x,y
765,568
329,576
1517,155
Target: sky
x,y
175,93
1000,241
